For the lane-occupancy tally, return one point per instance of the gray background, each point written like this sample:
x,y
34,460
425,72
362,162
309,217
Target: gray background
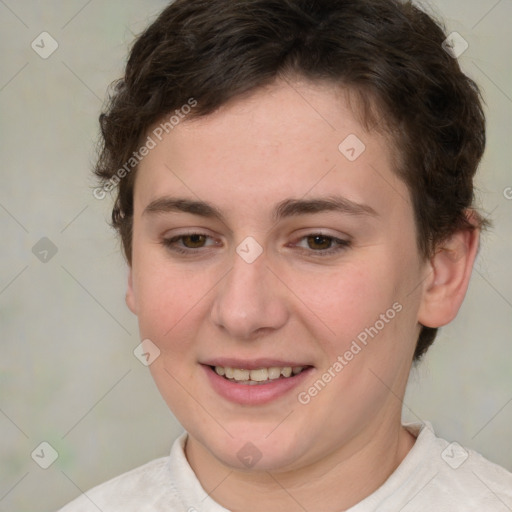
x,y
67,372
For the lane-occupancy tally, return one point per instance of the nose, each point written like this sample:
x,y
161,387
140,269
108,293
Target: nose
x,y
250,301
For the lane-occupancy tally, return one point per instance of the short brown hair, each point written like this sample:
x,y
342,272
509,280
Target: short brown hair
x,y
217,50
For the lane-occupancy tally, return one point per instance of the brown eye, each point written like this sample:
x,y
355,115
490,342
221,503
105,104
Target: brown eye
x,y
319,242
190,244
194,241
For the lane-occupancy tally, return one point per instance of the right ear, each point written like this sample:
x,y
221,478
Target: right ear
x,y
131,302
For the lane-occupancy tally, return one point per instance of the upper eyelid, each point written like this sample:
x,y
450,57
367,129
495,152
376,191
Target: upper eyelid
x,y
319,232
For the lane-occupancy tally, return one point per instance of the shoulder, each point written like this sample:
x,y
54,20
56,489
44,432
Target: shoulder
x,y
475,479
138,490
463,478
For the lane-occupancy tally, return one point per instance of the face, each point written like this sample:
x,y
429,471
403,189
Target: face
x,y
264,249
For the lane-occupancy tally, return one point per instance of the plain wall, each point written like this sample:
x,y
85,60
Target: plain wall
x,y
67,372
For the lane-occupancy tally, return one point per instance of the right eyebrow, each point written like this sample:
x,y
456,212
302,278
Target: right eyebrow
x,y
170,204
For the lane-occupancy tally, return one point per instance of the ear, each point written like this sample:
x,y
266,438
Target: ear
x,y
449,272
130,294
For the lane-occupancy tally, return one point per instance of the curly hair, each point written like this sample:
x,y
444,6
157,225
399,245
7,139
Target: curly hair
x,y
389,52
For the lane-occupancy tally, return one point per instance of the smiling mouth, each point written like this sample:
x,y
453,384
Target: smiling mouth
x,y
259,375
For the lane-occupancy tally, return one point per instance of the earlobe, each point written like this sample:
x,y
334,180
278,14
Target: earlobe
x,y
450,271
130,295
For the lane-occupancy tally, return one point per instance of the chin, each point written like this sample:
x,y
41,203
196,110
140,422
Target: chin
x,y
252,448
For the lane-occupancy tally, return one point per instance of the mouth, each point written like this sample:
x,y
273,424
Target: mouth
x,y
257,382
257,376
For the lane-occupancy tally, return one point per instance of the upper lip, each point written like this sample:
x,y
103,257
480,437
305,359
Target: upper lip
x,y
252,364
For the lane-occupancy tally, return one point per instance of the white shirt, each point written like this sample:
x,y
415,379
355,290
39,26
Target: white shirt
x,y
434,476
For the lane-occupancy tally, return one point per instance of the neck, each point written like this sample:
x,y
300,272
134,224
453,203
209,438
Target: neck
x,y
336,482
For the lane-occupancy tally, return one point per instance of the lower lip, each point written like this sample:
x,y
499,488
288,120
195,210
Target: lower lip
x,y
257,394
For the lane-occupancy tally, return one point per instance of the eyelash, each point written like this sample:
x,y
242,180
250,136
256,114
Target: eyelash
x,y
169,243
341,245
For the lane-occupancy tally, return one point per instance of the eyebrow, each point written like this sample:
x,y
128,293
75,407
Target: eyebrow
x,y
284,209
293,207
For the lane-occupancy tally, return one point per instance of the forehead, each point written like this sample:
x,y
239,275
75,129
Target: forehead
x,y
290,139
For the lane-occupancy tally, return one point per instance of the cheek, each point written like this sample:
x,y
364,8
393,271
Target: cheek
x,y
171,306
345,301
169,299
366,318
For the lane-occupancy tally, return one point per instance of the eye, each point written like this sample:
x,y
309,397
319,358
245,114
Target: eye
x,y
322,244
194,241
319,242
188,242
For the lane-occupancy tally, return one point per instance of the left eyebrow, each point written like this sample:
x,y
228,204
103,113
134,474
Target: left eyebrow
x,y
294,207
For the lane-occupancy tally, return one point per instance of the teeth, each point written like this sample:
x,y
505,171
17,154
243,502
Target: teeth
x,y
259,375
241,374
286,371
274,373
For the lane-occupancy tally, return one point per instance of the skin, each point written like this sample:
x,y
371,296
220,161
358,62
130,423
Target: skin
x,y
281,143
